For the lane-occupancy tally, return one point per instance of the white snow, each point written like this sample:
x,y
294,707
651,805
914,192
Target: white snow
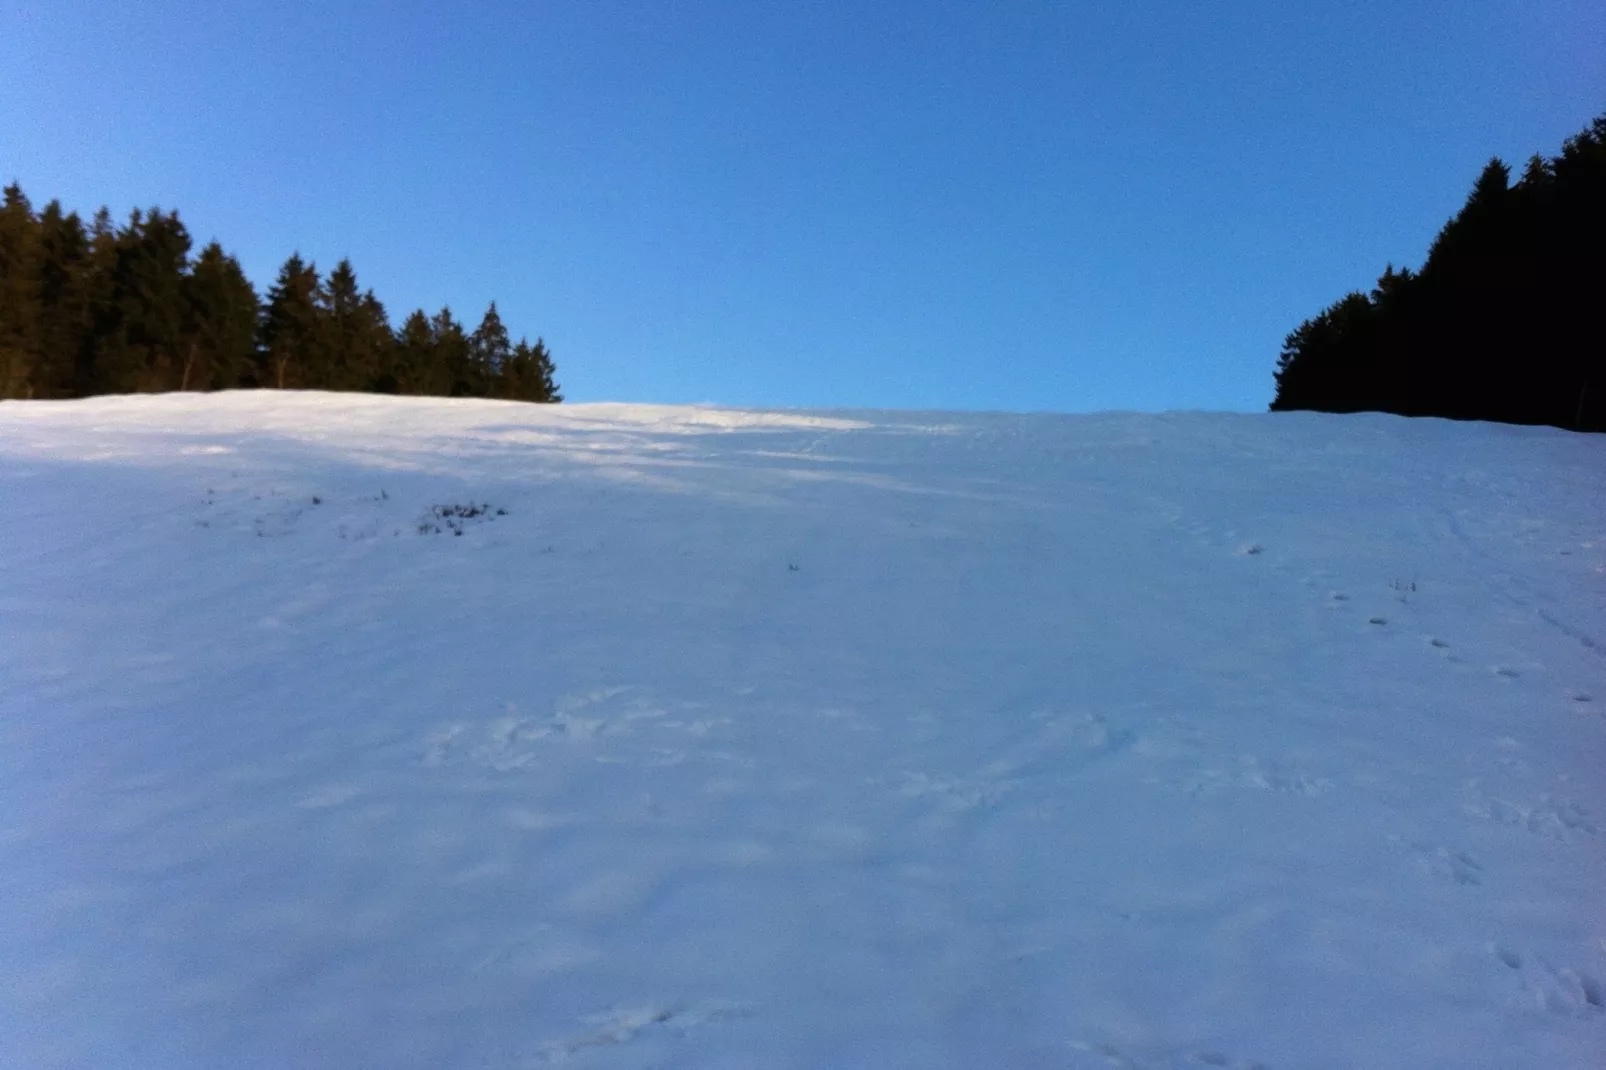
x,y
739,739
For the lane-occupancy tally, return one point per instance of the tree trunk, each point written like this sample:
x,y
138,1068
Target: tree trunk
x,y
189,362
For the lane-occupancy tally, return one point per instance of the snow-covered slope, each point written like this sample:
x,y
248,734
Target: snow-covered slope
x,y
737,739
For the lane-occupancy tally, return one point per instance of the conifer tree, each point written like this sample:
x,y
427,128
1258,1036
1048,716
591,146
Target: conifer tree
x,y
489,346
378,341
452,356
357,333
64,298
108,308
19,293
414,364
220,323
100,305
141,313
1500,323
528,374
291,350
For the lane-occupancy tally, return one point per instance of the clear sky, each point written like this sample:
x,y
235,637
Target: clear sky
x,y
1016,204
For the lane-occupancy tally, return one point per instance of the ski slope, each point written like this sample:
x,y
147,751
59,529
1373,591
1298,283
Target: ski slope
x,y
345,731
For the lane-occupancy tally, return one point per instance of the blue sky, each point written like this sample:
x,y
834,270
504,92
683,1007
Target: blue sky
x,y
1006,205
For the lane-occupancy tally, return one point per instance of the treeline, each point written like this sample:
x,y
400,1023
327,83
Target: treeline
x,y
107,309
1503,322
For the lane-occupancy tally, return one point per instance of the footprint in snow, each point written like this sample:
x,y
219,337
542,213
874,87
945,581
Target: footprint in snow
x,y
1087,1056
330,795
1548,817
1458,867
1557,989
1252,772
620,1026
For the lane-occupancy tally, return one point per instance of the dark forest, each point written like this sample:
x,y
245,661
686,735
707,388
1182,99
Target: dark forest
x,y
99,308
1503,322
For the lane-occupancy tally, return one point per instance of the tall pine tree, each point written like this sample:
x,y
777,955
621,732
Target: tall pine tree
x,y
1502,321
453,358
489,347
220,324
64,301
414,367
528,374
292,351
357,332
116,309
140,315
19,293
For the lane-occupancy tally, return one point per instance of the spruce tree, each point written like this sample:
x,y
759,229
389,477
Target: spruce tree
x,y
455,368
1502,321
220,323
489,350
291,353
141,313
378,342
528,374
414,366
19,293
100,305
357,334
64,301
115,309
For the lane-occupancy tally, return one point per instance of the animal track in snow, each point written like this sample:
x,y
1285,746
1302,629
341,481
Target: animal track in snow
x,y
631,721
1557,989
1252,772
622,1025
1087,1056
1458,867
1549,817
954,793
1061,745
329,795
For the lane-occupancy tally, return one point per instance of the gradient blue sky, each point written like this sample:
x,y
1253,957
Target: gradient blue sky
x,y
1008,205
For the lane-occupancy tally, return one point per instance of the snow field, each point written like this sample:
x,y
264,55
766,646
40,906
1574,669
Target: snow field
x,y
348,731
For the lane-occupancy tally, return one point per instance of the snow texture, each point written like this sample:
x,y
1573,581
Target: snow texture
x,y
342,731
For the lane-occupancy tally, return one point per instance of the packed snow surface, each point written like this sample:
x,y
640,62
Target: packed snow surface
x,y
342,731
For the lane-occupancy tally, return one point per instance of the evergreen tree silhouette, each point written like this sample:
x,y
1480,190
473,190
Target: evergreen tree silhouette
x,y
490,348
222,312
64,301
19,293
357,332
528,374
292,353
104,308
414,367
1501,323
140,310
